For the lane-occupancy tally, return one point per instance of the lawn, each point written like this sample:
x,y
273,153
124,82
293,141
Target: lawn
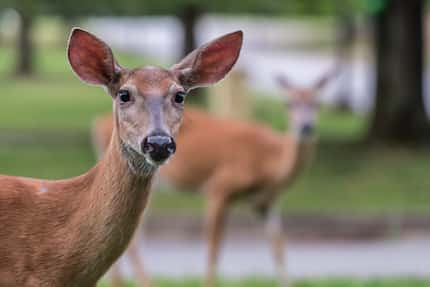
x,y
44,132
300,283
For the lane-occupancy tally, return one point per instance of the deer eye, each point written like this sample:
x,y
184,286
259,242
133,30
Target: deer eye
x,y
124,96
180,97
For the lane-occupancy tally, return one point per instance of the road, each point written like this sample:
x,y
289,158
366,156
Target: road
x,y
180,257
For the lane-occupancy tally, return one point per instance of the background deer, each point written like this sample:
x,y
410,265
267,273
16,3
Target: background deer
x,y
69,232
232,160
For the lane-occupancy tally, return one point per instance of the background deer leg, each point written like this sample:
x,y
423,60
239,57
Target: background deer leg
x,y
277,239
216,215
132,252
116,279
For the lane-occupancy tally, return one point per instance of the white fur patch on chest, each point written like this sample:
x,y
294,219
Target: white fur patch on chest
x,y
43,189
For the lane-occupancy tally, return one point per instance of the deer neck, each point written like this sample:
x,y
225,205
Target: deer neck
x,y
111,209
297,153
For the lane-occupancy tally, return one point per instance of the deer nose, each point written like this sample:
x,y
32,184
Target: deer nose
x,y
159,147
307,129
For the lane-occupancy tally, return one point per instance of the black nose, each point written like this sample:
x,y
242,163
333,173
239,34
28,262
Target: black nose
x,y
307,129
159,147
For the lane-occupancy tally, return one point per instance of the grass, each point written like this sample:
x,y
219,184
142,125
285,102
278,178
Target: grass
x,y
56,109
45,161
256,282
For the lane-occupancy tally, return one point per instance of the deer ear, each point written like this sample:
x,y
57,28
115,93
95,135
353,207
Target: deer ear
x,y
209,63
326,78
284,82
287,86
91,59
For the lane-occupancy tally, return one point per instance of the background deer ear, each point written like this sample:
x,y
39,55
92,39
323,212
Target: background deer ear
x,y
326,78
287,86
284,82
209,63
91,59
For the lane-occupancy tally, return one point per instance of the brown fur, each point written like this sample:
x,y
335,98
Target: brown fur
x,y
68,232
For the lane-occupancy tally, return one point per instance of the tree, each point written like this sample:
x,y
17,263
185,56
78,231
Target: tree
x,y
25,44
399,113
27,10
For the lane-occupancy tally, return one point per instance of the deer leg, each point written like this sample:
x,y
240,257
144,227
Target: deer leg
x,y
137,264
216,214
132,252
116,279
277,240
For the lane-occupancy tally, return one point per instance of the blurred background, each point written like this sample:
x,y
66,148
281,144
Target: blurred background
x,y
358,216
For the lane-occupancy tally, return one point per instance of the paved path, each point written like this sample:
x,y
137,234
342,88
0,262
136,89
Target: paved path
x,y
405,257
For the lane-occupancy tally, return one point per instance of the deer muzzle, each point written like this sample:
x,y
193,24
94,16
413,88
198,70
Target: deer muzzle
x,y
159,147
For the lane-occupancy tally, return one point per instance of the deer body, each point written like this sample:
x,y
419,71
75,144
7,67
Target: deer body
x,y
67,233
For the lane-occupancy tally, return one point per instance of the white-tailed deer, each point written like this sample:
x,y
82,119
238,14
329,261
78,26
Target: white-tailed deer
x,y
233,160
69,232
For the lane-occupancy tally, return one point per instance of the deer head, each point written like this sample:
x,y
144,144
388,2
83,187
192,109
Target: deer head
x,y
148,102
302,103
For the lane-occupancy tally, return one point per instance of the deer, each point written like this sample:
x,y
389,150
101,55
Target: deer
x,y
69,232
232,160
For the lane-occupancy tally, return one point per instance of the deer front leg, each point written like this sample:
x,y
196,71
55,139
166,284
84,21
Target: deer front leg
x,y
133,253
216,214
277,240
116,279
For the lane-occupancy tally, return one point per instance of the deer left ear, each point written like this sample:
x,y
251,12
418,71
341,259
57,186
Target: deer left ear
x,y
286,85
209,63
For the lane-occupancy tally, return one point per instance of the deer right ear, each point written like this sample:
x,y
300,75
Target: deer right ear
x,y
209,63
91,59
284,82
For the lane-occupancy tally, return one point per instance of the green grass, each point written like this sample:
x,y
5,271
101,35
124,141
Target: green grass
x,y
45,160
257,282
56,110
45,104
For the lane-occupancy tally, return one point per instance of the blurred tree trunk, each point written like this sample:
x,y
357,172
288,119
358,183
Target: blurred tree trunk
x,y
399,114
189,17
344,49
25,47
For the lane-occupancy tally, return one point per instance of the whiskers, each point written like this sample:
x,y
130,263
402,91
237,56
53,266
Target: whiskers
x,y
137,162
